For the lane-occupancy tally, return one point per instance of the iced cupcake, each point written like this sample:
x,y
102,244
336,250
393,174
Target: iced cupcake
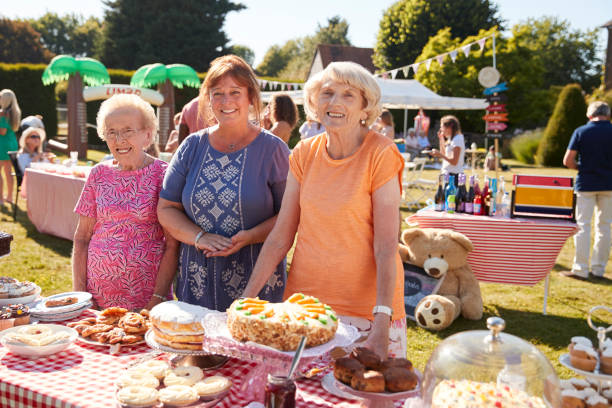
x,y
21,314
6,321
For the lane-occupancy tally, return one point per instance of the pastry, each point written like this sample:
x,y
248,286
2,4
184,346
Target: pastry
x,y
133,323
566,385
21,314
398,379
366,357
186,375
605,362
572,399
580,340
69,300
96,328
370,381
137,396
21,289
579,384
397,362
7,279
6,321
137,378
111,315
583,357
5,243
346,368
178,325
212,386
178,395
157,368
597,401
282,325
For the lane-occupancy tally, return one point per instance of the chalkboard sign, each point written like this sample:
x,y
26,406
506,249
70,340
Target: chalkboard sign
x,y
417,285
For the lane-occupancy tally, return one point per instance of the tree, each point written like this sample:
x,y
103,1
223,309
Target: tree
x,y
407,25
70,34
19,42
171,31
243,52
292,61
569,113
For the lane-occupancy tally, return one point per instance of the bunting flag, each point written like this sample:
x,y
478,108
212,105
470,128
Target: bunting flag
x,y
440,58
273,85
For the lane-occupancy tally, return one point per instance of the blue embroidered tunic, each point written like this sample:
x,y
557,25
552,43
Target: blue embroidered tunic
x,y
224,193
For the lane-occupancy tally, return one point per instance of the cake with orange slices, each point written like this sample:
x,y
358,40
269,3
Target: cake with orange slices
x,y
282,325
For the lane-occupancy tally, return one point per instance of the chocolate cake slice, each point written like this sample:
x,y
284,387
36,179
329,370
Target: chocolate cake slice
x,y
5,243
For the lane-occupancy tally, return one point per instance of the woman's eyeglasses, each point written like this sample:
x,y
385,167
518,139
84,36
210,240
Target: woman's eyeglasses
x,y
124,134
34,137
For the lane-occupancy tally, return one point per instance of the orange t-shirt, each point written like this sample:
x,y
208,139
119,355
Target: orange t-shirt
x,y
334,256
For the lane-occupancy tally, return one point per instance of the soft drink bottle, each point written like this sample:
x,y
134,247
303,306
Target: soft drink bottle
x,y
450,194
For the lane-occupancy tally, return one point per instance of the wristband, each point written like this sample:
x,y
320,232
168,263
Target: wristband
x,y
197,238
162,298
383,309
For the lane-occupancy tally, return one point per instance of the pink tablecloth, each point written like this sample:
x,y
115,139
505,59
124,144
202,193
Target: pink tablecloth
x,y
51,199
83,376
519,251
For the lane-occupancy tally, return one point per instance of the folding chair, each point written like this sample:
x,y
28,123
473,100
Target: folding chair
x,y
414,186
19,176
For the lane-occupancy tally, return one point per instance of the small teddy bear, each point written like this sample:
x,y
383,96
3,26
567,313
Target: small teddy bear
x,y
443,253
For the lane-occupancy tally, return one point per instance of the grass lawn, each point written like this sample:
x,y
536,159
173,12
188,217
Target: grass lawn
x,y
46,260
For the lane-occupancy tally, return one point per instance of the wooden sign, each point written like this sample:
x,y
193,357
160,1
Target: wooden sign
x,y
496,89
496,108
496,98
496,126
495,135
496,117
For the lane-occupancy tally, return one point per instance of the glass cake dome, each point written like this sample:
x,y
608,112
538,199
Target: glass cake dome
x,y
482,368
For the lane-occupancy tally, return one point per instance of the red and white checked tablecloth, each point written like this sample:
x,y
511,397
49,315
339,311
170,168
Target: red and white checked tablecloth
x,y
520,251
83,376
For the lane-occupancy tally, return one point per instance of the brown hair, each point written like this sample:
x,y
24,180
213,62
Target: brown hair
x,y
282,108
386,117
452,122
240,71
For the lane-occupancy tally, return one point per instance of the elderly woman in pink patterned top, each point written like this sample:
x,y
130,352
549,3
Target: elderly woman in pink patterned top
x,y
122,255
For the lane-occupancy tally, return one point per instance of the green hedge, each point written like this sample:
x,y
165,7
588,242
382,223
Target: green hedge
x,y
33,97
525,145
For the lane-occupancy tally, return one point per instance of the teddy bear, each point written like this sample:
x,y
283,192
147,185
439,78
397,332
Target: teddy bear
x,y
443,253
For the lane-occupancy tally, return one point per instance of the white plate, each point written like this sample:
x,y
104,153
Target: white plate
x,y
39,351
381,396
60,317
21,300
565,360
40,309
329,384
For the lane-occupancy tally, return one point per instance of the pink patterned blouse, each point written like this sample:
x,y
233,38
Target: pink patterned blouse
x,y
128,242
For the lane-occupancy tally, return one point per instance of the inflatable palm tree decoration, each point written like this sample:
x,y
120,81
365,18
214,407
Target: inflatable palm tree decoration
x,y
76,71
166,77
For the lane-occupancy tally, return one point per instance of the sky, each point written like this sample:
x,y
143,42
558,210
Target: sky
x,y
268,22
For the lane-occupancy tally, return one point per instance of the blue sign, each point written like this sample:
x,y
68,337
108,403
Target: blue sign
x,y
497,88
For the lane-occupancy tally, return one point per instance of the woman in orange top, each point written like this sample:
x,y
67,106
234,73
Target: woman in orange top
x,y
342,198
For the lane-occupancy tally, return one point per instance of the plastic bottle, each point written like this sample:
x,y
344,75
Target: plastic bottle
x,y
450,194
512,374
492,201
506,203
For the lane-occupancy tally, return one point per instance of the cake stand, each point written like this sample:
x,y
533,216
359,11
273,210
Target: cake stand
x,y
601,338
218,340
198,358
379,399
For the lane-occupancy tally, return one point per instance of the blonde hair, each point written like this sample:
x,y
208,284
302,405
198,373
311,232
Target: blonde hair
x,y
240,71
9,105
119,101
26,133
351,74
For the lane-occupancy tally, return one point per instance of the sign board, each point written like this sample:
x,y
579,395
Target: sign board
x,y
496,98
92,93
496,108
417,285
496,89
496,117
494,135
496,126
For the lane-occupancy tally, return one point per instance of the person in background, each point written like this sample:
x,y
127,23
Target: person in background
x,y
384,124
10,115
310,128
31,121
590,152
453,144
173,138
223,191
342,199
424,142
412,143
31,148
283,115
194,116
122,255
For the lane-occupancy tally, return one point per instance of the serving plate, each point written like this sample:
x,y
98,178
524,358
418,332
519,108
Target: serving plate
x,y
40,309
565,360
21,300
60,317
34,352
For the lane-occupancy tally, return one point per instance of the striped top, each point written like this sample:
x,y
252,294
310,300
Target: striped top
x,y
506,250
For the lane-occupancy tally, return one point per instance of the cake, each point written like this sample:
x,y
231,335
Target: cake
x,y
472,394
178,325
282,325
5,243
583,357
605,365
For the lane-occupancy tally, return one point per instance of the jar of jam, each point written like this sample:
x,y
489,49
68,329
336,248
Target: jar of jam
x,y
280,392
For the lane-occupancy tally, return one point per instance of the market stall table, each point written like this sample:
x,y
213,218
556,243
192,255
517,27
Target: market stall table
x,y
84,376
51,198
519,251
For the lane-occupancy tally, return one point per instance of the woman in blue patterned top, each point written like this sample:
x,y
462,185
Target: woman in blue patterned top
x,y
223,191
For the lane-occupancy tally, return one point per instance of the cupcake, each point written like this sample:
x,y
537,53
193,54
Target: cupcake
x,y
6,321
597,401
21,314
583,357
579,383
572,399
7,279
566,384
605,365
580,340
